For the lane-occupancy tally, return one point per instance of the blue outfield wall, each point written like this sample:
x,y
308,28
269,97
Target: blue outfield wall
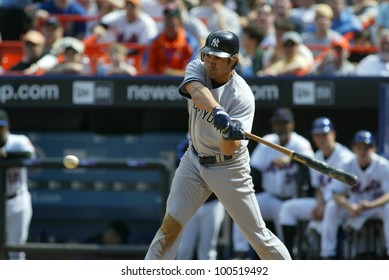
x,y
73,205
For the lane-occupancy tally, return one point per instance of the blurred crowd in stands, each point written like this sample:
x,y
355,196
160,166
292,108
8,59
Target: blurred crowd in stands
x,y
154,37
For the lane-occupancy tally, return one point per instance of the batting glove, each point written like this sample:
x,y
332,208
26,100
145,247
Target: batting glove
x,y
221,120
234,132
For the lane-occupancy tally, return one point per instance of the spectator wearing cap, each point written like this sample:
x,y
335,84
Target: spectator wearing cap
x,y
376,64
33,50
52,31
129,25
292,62
335,62
351,207
45,9
319,35
73,62
276,52
279,174
310,208
171,51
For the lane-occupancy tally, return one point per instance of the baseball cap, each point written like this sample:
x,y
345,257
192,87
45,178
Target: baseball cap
x,y
341,42
72,43
283,114
291,36
53,21
322,125
4,121
34,37
364,137
171,10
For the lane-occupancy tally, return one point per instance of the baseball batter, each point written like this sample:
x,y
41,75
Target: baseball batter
x,y
220,105
352,206
18,198
311,208
279,172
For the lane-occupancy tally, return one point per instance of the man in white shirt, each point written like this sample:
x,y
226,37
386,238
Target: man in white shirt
x,y
130,25
376,64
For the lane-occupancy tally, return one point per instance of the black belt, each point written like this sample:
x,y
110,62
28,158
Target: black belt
x,y
282,198
205,160
11,196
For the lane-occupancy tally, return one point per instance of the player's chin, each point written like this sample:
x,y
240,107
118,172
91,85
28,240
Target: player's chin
x,y
211,72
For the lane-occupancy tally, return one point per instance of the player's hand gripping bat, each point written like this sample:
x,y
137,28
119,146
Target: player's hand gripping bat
x,y
339,174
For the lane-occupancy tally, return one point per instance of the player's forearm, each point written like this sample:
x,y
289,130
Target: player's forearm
x,y
341,200
201,96
319,197
383,199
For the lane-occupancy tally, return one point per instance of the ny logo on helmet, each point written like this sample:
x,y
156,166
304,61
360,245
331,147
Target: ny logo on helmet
x,y
215,43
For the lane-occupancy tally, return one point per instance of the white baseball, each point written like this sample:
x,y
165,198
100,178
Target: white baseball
x,y
71,162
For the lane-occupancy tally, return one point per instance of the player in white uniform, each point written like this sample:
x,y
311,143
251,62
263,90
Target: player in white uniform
x,y
220,105
311,208
279,172
352,206
18,199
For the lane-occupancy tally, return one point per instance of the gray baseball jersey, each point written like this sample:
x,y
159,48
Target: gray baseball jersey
x,y
236,98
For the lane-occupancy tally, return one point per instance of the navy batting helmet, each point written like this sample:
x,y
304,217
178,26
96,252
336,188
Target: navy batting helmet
x,y
364,137
322,125
221,43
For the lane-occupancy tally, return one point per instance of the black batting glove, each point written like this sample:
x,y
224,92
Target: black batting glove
x,y
221,120
234,132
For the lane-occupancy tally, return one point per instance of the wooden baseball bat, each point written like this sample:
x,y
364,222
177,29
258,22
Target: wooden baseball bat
x,y
338,174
